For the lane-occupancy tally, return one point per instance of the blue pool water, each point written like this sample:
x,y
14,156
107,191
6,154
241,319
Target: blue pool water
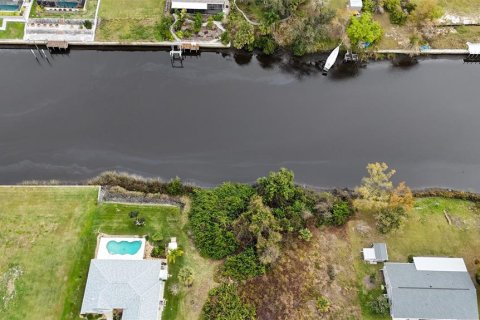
x,y
123,247
9,7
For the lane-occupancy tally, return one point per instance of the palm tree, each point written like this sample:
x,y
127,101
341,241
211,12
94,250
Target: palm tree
x,y
172,255
186,276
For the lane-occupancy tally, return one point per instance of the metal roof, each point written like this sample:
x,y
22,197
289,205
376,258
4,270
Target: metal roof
x,y
430,294
439,264
380,251
131,285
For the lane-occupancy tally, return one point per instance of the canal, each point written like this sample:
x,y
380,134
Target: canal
x,y
223,117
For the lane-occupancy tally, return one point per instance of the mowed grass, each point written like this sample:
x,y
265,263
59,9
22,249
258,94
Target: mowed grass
x,y
122,20
39,234
15,30
114,219
425,233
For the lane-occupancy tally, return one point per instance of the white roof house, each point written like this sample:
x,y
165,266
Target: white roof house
x,y
209,6
430,288
377,253
134,286
356,5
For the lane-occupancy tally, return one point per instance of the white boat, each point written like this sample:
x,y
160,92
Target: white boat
x,y
331,60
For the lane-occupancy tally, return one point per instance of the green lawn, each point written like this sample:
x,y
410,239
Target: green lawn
x,y
40,236
426,232
123,20
467,7
15,30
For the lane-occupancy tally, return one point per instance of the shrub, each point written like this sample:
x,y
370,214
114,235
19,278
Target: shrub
x,y
133,214
218,16
210,24
158,252
380,305
224,303
477,276
162,29
368,6
197,22
225,38
173,255
139,221
157,237
211,217
331,272
305,234
87,24
341,211
323,305
410,258
174,187
243,266
389,219
397,13
174,289
185,275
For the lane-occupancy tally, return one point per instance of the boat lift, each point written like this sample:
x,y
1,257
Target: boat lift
x,y
473,53
176,54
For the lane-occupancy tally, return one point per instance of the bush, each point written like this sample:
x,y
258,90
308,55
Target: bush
x,y
243,266
477,276
139,221
225,38
211,217
389,219
133,214
197,22
341,211
364,29
210,24
380,305
410,258
224,303
162,29
185,275
218,16
305,234
323,305
397,13
174,187
158,252
157,237
87,24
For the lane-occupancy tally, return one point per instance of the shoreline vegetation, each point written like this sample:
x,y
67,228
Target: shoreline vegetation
x,y
299,244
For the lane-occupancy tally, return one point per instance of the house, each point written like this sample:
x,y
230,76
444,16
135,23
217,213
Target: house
x,y
355,5
133,286
377,253
430,288
202,6
66,4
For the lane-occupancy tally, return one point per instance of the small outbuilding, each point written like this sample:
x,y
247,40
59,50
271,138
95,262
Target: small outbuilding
x,y
202,6
355,5
377,253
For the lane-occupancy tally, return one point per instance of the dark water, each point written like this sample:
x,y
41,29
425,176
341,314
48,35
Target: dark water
x,y
226,118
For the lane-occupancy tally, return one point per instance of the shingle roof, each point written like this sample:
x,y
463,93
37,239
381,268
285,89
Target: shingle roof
x,y
430,294
131,285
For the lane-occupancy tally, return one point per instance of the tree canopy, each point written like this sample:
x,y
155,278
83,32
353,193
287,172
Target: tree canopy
x,y
364,29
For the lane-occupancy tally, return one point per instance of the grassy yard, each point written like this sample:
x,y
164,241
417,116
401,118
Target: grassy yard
x,y
467,7
48,236
458,38
425,233
39,243
123,20
15,30
88,13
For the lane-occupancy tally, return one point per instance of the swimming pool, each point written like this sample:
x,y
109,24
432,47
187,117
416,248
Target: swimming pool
x,y
123,247
120,247
9,7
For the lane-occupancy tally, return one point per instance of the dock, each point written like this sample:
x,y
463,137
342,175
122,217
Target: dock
x,y
473,53
57,45
191,46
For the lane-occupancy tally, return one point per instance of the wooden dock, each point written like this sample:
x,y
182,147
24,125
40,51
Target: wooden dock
x,y
57,45
191,46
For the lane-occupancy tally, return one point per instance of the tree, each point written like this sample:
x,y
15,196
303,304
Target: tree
x,y
380,305
401,196
278,188
197,22
172,255
364,29
185,275
258,226
340,213
224,303
244,35
377,185
426,11
398,15
389,219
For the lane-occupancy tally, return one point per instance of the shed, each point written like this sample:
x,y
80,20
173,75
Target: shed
x,y
377,253
356,5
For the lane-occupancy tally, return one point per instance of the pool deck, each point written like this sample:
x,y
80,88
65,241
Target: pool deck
x,y
102,252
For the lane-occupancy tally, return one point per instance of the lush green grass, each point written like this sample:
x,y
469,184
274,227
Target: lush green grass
x,y
426,232
15,30
123,20
39,233
88,13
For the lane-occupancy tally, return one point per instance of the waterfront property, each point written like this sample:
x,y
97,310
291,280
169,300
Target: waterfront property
x,y
121,248
202,6
431,288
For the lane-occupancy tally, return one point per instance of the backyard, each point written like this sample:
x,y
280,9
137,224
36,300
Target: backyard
x,y
89,12
425,233
122,20
14,30
48,236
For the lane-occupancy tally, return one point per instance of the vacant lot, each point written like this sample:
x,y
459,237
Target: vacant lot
x,y
14,30
461,7
425,233
122,20
39,241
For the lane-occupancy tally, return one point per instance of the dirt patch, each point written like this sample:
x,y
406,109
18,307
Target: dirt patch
x,y
7,285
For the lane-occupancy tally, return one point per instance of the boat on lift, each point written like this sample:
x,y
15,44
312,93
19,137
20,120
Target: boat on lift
x,y
332,58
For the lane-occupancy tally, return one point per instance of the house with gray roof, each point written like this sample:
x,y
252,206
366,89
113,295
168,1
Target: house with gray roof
x,y
430,288
133,286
